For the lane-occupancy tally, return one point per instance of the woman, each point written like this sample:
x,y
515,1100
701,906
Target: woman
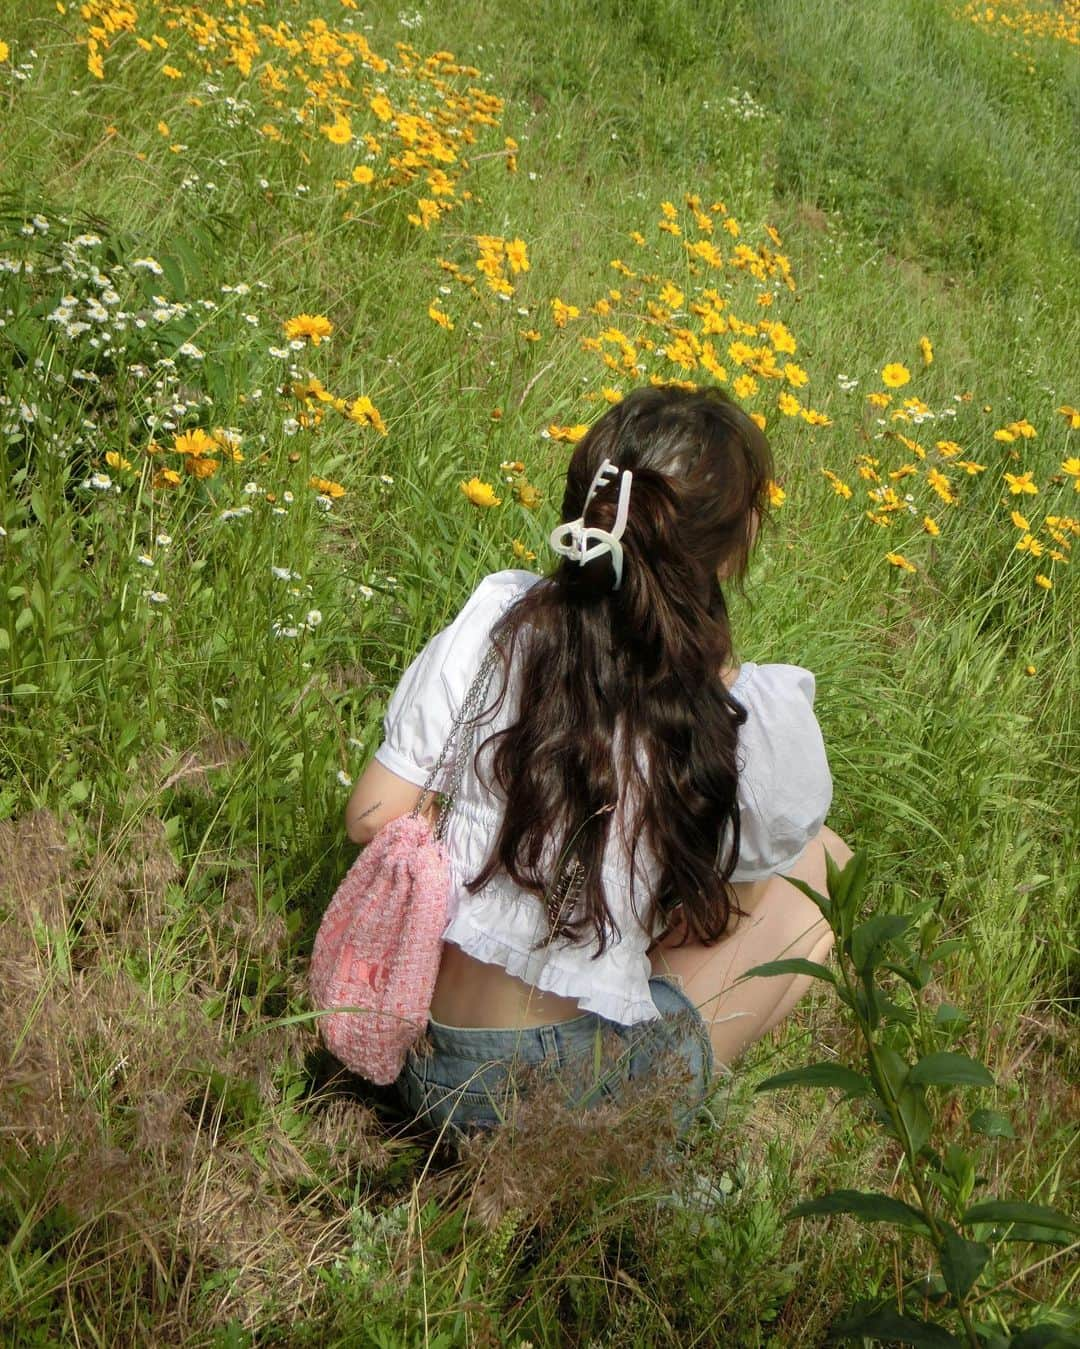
x,y
631,798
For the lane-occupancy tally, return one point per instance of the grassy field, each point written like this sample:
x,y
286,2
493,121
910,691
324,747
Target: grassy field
x,y
277,282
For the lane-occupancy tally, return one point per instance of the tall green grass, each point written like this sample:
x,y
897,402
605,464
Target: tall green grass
x,y
182,1164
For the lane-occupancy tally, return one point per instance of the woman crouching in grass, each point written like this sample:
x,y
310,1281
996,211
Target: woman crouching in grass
x,y
620,835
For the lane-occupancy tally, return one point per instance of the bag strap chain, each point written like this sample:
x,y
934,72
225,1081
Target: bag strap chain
x,y
470,707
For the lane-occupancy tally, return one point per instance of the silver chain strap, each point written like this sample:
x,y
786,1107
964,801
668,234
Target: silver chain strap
x,y
470,707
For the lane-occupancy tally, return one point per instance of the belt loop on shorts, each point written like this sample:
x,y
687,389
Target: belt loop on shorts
x,y
550,1042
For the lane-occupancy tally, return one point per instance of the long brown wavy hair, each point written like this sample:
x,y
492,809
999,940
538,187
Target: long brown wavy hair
x,y
621,694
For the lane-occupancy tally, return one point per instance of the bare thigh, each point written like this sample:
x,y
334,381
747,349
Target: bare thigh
x,y
781,923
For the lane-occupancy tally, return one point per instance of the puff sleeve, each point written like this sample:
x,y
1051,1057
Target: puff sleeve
x,y
421,709
785,786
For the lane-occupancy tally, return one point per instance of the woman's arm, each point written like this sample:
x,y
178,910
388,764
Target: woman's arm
x,y
380,796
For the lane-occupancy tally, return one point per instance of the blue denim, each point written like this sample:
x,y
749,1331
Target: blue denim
x,y
466,1078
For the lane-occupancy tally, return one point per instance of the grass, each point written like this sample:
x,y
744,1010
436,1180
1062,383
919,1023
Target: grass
x,y
180,1161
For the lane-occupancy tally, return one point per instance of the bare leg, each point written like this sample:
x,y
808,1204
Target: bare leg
x,y
781,923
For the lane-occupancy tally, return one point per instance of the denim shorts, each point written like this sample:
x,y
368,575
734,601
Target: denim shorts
x,y
463,1078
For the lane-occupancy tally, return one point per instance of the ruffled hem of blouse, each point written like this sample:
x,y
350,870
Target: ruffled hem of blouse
x,y
614,1004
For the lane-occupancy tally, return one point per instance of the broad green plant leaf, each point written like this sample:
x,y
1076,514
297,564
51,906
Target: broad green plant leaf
x,y
946,1069
820,1075
1019,1211
885,1323
962,1262
869,937
992,1124
872,1208
791,965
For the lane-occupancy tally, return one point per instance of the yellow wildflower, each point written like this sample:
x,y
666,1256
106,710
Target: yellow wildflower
x,y
1006,437
338,132
940,483
788,404
931,526
1020,482
1030,670
1071,415
166,477
970,467
758,418
380,105
115,460
530,335
194,443
1044,581
879,400
517,255
927,350
364,412
1071,466
562,312
777,495
363,174
480,493
744,386
611,395
899,560
570,434
521,552
312,326
327,486
1023,428
528,495
895,375
795,375
814,418
443,320
1027,543
1020,521
672,296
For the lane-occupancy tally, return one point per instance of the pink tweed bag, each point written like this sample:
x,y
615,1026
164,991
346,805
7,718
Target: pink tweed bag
x,y
376,954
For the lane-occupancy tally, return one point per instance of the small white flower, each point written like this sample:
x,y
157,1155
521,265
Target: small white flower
x,y
288,497
386,479
365,592
279,353
189,349
235,513
250,489
278,510
101,482
157,597
290,426
279,630
149,265
284,574
323,502
145,560
313,618
343,778
163,540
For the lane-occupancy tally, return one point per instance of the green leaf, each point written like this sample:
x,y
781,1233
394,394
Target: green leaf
x,y
912,1106
946,1069
1019,1211
885,1323
1045,1336
962,1262
869,937
948,1015
872,1208
810,893
820,1075
992,1124
791,965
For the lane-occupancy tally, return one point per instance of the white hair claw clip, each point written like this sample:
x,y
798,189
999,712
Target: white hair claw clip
x,y
583,542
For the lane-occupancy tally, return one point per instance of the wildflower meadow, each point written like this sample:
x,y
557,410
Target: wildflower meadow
x,y
303,305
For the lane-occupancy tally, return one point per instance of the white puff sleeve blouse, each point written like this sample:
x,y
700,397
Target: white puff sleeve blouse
x,y
784,793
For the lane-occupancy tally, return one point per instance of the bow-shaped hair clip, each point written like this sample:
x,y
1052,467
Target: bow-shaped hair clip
x,y
583,542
